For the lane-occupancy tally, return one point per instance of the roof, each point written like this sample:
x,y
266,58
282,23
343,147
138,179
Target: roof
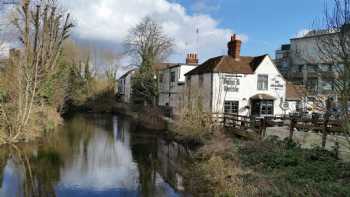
x,y
127,73
295,92
155,67
317,33
162,66
227,64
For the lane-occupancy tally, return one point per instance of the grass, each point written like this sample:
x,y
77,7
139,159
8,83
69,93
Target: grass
x,y
293,171
226,166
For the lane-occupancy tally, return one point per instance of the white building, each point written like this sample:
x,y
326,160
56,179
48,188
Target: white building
x,y
172,83
237,84
124,86
307,63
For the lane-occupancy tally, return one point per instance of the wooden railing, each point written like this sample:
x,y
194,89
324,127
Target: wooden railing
x,y
239,122
259,124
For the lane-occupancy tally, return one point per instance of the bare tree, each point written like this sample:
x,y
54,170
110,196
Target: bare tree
x,y
329,46
42,28
148,43
334,49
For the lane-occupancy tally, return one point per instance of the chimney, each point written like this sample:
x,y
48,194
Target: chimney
x,y
192,59
234,47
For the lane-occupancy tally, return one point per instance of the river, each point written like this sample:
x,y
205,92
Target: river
x,y
94,155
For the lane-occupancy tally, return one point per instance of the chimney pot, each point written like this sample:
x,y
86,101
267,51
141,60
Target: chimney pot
x,y
192,59
234,47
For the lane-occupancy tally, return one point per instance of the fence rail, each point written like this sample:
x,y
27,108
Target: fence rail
x,y
259,124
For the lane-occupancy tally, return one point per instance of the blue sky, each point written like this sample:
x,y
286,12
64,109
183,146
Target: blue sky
x,y
267,23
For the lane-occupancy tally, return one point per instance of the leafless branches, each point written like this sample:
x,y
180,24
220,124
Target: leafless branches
x,y
149,45
148,42
42,29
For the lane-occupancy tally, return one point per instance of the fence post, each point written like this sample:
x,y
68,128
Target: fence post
x,y
224,122
325,130
264,125
291,128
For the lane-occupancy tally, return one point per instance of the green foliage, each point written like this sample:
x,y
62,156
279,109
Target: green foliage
x,y
144,85
53,88
308,172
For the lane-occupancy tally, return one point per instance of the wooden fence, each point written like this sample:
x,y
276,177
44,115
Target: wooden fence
x,y
259,125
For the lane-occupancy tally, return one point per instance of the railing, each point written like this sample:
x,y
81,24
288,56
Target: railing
x,y
259,124
240,122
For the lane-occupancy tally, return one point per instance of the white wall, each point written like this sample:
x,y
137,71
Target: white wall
x,y
172,93
248,88
306,50
125,89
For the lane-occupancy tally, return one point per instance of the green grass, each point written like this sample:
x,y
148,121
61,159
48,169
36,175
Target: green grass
x,y
294,171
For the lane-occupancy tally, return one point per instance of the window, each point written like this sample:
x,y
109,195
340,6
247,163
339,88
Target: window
x,y
312,68
263,81
231,107
301,68
262,107
172,76
267,108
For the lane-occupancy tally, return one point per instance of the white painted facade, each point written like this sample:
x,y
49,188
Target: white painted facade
x,y
211,90
124,86
171,86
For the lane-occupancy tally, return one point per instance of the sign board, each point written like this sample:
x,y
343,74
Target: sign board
x,y
231,82
285,105
277,85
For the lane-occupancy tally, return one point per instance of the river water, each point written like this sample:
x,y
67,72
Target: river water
x,y
94,155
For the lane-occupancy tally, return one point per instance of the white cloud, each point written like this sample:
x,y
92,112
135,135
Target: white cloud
x,y
111,20
302,33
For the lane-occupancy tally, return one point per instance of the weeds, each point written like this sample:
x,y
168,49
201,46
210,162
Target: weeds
x,y
296,171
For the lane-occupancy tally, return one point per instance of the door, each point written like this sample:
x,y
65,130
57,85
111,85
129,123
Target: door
x,y
262,108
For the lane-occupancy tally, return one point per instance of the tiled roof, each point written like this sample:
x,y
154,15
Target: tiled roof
x,y
162,66
227,64
295,92
155,67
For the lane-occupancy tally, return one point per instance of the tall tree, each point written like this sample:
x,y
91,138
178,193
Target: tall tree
x,y
150,45
335,49
42,28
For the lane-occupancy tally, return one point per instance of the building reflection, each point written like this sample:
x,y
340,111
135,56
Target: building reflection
x,y
97,155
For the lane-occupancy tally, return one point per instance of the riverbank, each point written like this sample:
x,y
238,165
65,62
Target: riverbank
x,y
228,166
225,165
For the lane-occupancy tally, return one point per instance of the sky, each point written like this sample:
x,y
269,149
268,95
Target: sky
x,y
263,25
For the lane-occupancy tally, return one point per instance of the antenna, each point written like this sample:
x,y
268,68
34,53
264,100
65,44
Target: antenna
x,y
197,40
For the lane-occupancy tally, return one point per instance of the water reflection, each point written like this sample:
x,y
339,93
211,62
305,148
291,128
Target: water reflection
x,y
94,155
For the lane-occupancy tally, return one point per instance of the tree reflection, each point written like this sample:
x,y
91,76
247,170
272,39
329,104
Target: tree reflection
x,y
102,155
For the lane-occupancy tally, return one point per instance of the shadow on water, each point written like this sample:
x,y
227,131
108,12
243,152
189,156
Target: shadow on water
x,y
94,155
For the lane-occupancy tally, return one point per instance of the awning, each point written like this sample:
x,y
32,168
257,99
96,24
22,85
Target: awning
x,y
262,97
